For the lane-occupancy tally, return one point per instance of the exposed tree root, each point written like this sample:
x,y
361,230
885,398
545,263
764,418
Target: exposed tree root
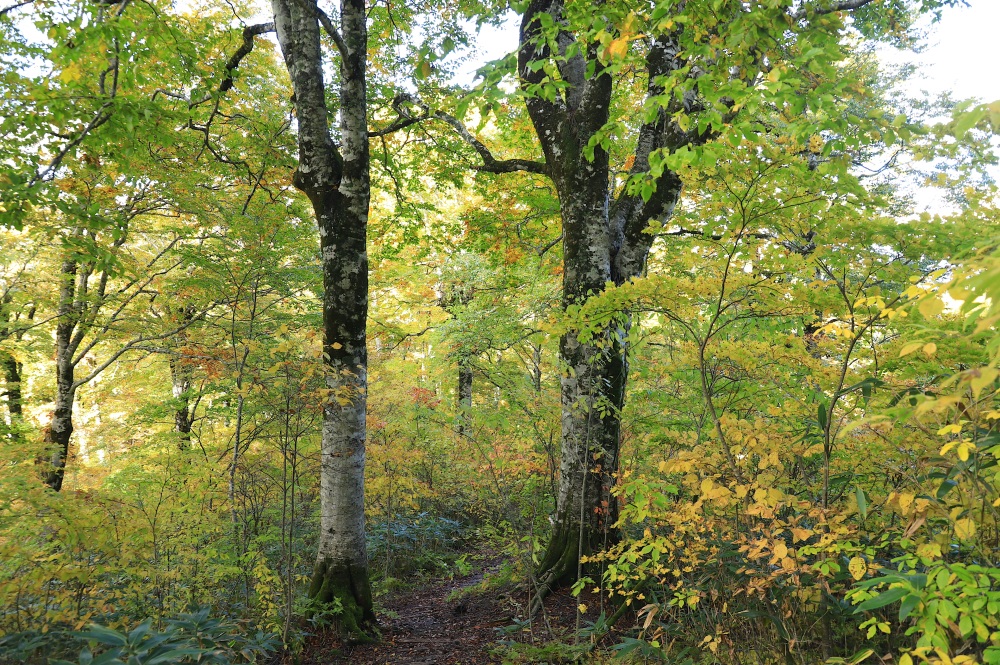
x,y
348,584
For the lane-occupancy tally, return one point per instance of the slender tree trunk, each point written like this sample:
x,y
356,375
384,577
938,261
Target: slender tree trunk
x,y
464,394
180,377
337,184
181,381
60,429
12,387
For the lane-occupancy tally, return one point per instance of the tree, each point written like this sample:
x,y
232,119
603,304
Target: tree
x,y
705,72
335,178
93,302
16,317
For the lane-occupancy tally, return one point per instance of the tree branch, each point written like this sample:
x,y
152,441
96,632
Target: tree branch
x,y
405,119
490,163
841,6
331,30
100,117
243,51
16,5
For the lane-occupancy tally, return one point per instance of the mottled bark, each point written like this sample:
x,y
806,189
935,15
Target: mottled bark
x,y
603,242
11,366
180,378
464,394
336,180
12,386
60,428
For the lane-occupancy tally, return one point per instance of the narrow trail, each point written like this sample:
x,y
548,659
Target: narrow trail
x,y
435,624
428,625
425,627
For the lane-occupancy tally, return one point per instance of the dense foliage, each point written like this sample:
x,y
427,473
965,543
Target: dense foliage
x,y
805,464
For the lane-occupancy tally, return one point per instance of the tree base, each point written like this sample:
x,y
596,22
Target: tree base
x,y
561,565
346,588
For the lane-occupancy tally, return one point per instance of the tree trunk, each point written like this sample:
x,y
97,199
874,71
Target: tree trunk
x,y
464,394
60,429
12,387
12,368
592,394
603,242
180,377
181,380
337,184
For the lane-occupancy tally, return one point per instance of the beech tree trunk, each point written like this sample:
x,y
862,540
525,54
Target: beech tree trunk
x,y
60,428
603,242
181,381
11,366
180,377
336,180
12,386
464,394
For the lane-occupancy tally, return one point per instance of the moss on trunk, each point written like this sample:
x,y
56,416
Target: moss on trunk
x,y
346,586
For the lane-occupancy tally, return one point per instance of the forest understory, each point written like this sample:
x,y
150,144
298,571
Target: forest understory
x,y
331,333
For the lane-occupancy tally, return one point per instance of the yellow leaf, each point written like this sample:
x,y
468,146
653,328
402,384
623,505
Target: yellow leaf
x,y
617,48
963,450
984,376
780,550
336,345
931,307
905,502
71,73
930,349
965,529
910,348
858,568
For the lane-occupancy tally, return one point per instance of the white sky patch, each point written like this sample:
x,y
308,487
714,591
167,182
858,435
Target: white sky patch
x,y
961,54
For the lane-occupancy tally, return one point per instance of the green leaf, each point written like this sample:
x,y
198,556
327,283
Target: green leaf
x,y
907,606
883,599
103,635
859,494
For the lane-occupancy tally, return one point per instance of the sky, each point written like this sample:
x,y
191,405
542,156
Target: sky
x,y
961,57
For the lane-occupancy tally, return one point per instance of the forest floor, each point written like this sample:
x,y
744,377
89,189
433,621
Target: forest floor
x,y
467,620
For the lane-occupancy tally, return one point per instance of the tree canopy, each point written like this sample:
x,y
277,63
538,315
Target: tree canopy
x,y
652,323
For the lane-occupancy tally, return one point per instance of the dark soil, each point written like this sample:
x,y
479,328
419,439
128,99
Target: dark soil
x,y
449,622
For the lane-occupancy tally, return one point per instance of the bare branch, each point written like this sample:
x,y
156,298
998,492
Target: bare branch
x,y
16,5
841,6
331,30
490,163
405,119
243,51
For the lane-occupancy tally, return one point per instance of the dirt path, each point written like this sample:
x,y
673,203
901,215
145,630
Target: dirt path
x,y
436,624
428,625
